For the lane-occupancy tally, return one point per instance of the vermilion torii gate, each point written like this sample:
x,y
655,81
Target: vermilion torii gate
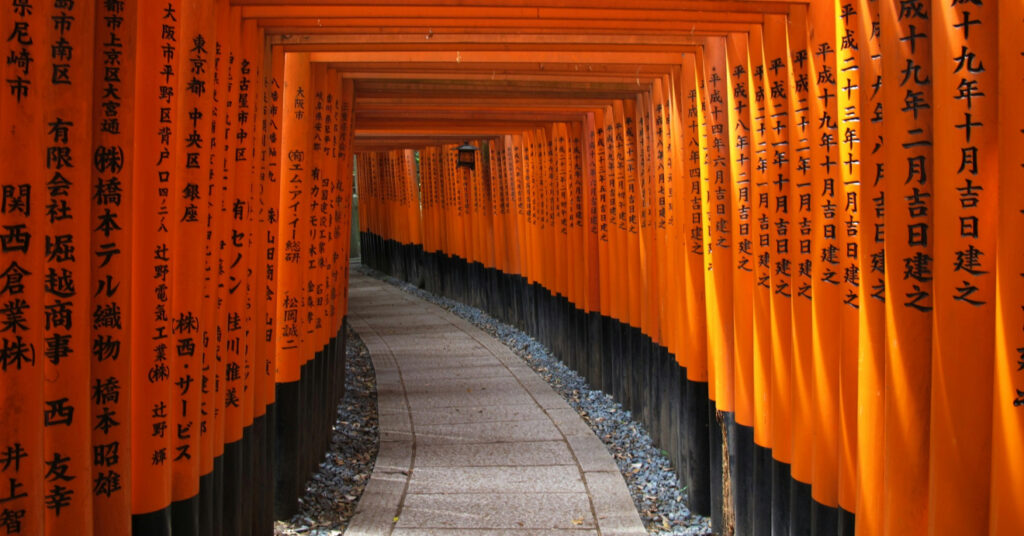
x,y
787,234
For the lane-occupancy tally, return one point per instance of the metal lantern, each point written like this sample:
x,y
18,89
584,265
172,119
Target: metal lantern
x,y
467,156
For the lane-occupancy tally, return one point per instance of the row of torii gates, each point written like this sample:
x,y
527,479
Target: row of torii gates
x,y
787,234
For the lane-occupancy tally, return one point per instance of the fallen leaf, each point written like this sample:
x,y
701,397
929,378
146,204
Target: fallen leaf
x,y
578,521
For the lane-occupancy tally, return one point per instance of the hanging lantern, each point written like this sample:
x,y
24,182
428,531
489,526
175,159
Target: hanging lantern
x,y
467,156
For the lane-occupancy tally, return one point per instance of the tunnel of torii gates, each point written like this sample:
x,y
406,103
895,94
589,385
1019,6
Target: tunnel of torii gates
x,y
787,235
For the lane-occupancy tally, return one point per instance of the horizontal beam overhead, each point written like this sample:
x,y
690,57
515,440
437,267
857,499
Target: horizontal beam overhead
x,y
430,70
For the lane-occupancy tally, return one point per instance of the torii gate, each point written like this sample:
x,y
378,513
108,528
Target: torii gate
x,y
803,214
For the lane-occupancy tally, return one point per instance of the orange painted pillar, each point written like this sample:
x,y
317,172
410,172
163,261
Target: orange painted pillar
x,y
849,116
113,117
665,217
826,199
966,203
760,153
616,266
1007,489
629,217
603,207
871,349
638,196
909,241
189,187
742,226
67,315
718,250
151,351
778,69
578,235
696,332
23,232
295,147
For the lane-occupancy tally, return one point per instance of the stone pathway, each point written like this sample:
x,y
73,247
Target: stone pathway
x,y
472,441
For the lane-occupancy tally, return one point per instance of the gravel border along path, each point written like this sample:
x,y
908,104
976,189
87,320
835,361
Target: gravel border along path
x,y
333,492
649,476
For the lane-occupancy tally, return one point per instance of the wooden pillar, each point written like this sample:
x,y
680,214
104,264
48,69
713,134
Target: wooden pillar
x,y
909,241
871,349
1007,490
113,118
151,350
966,203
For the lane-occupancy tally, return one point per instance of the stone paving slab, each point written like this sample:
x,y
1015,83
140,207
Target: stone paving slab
x,y
497,511
473,442
466,415
522,453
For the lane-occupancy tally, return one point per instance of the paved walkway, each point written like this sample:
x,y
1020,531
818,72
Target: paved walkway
x,y
473,442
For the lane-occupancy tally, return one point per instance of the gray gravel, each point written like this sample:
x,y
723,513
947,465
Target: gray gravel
x,y
653,483
333,492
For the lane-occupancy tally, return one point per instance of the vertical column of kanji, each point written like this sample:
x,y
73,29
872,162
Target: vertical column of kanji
x,y
114,110
906,49
22,241
566,162
826,221
760,153
574,273
231,289
486,226
663,213
645,194
294,210
468,210
524,171
848,77
531,185
312,342
155,157
214,357
652,254
629,210
717,213
560,230
701,394
1007,490
777,117
441,196
615,255
706,209
211,436
473,210
512,219
430,202
601,201
793,273
541,182
496,195
346,129
246,159
696,333
332,253
966,196
738,82
499,192
188,188
871,326
547,200
66,338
